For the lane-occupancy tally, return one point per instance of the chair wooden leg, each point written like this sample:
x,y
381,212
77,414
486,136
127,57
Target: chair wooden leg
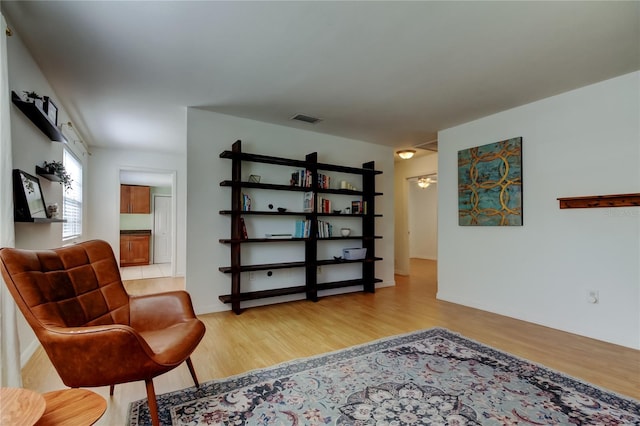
x,y
111,390
153,404
193,372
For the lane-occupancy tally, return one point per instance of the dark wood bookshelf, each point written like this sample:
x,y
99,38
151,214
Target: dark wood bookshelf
x,y
311,262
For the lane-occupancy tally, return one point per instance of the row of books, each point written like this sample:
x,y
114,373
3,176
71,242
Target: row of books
x,y
324,204
304,178
359,207
303,229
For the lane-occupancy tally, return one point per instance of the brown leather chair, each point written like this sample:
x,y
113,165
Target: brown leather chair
x,y
93,331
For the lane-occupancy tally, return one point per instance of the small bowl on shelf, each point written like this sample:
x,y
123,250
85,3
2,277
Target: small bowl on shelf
x,y
345,232
282,209
337,211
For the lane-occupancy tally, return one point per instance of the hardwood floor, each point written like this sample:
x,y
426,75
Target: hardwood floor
x,y
268,335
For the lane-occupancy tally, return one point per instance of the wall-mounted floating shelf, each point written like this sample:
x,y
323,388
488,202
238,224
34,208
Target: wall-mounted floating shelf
x,y
39,118
41,220
49,176
616,200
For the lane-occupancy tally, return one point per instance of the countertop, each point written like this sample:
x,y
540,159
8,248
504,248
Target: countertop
x,y
135,232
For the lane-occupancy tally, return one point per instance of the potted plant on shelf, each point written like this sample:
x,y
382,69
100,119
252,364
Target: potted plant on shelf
x,y
57,169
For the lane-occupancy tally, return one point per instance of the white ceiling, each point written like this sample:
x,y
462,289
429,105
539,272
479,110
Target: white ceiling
x,y
392,73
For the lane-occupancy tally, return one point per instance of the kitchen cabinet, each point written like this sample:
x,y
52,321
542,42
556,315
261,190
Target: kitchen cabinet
x,y
135,199
134,248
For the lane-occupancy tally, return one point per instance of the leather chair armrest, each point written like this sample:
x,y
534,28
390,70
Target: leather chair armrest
x,y
160,310
93,355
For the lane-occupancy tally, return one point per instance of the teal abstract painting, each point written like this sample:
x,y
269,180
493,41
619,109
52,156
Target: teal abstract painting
x,y
490,184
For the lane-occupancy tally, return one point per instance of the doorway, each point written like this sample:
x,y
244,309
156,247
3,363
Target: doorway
x,y
158,223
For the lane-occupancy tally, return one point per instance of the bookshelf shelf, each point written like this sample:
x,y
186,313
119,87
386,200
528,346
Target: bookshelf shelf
x,y
310,263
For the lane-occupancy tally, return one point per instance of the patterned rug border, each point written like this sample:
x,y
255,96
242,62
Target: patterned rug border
x,y
305,363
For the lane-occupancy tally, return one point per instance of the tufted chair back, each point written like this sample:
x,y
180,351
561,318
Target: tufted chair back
x,y
73,286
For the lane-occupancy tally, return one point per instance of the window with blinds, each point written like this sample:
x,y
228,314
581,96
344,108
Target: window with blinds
x,y
72,198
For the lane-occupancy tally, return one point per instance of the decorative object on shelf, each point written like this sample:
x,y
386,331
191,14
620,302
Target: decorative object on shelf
x,y
51,110
53,210
282,209
347,210
345,232
270,206
354,253
490,184
34,98
254,178
56,168
337,211
405,154
279,236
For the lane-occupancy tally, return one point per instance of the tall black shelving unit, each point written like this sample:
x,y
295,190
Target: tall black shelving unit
x,y
311,262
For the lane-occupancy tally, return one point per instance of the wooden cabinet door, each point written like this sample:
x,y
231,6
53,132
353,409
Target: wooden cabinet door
x,y
140,199
124,249
125,198
134,250
139,249
135,199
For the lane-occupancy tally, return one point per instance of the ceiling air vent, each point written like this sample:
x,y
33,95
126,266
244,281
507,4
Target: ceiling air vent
x,y
429,146
306,118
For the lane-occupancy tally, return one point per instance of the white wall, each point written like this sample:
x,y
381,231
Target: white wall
x,y
584,142
30,147
103,198
208,135
404,169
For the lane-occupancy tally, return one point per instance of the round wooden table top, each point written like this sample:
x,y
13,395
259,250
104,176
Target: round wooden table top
x,y
20,406
72,407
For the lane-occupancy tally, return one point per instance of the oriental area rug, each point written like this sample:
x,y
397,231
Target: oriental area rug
x,y
430,377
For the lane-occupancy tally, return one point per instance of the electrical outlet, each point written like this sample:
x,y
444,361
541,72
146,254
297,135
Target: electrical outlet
x,y
593,297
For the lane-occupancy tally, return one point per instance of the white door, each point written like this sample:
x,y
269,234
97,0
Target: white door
x,y
161,229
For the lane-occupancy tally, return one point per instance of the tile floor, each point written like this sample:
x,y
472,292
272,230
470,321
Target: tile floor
x,y
148,271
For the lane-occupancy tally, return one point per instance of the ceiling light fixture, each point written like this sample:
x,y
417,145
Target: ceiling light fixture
x,y
405,154
424,182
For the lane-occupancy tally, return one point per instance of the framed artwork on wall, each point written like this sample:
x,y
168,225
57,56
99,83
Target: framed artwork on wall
x,y
28,199
490,184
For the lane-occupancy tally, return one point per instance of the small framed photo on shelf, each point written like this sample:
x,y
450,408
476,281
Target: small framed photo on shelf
x,y
51,110
254,178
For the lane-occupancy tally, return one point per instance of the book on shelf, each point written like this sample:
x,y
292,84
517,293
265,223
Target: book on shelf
x,y
325,229
301,177
324,205
302,229
308,202
304,178
243,229
246,203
